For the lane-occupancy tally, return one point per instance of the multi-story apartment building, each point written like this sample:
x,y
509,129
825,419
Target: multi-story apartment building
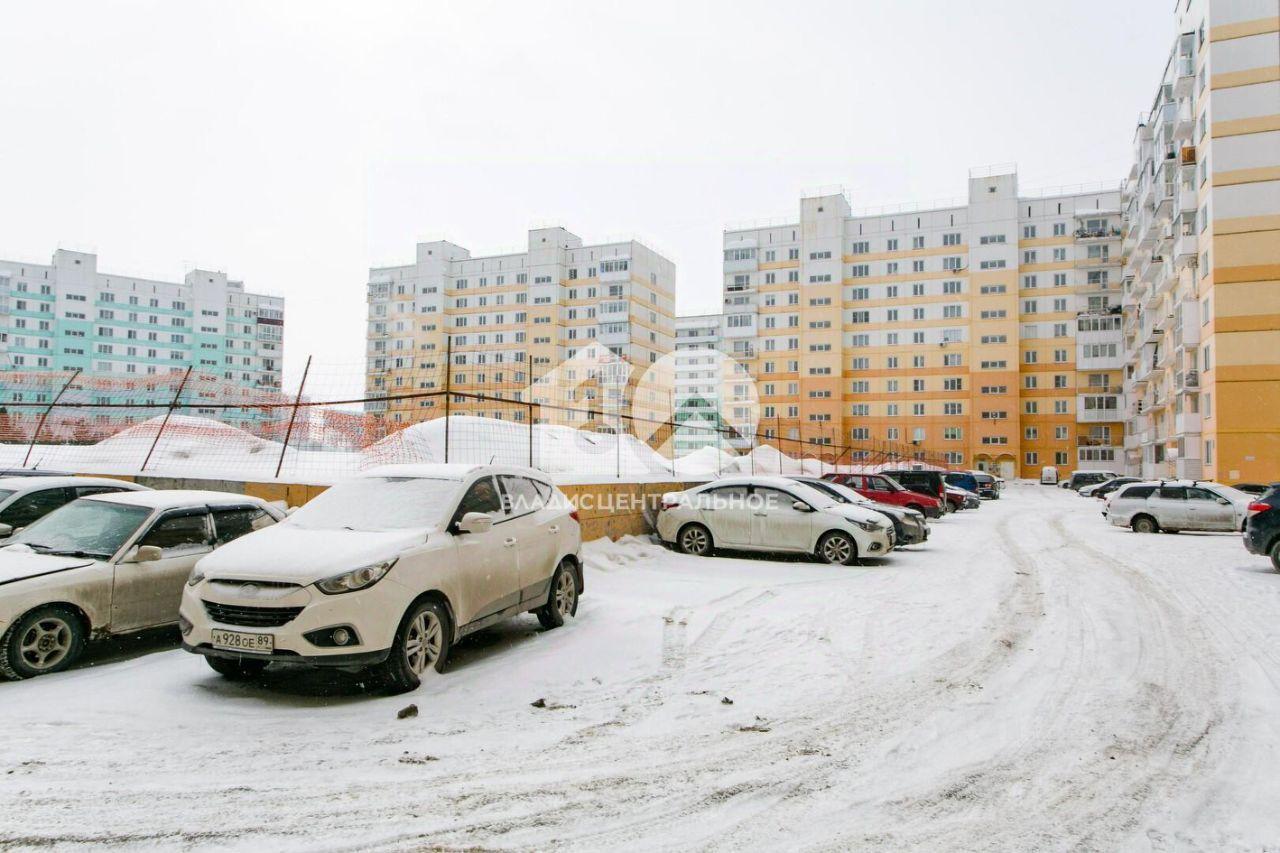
x,y
1202,238
986,331
118,330
699,371
494,325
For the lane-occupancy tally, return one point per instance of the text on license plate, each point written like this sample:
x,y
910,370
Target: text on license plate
x,y
241,642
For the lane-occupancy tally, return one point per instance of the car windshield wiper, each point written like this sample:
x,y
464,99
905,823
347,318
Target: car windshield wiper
x,y
71,552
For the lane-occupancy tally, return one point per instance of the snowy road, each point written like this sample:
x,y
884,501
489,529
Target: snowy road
x,y
1029,679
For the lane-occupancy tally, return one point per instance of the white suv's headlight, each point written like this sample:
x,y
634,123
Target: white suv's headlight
x,y
361,578
195,578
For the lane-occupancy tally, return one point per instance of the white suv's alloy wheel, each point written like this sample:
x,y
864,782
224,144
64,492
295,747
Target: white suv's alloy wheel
x,y
422,642
46,643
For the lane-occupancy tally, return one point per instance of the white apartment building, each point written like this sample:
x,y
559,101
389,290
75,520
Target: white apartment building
x,y
986,331
495,324
67,315
698,383
1202,239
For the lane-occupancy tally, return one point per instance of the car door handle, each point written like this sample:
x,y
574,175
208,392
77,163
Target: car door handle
x,y
509,542
555,528
761,514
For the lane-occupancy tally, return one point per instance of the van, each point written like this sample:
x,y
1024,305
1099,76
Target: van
x,y
1048,476
921,480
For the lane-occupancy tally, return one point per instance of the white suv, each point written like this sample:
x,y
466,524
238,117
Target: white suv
x,y
1173,505
386,571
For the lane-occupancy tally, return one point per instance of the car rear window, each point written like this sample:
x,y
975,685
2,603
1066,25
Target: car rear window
x,y
1137,492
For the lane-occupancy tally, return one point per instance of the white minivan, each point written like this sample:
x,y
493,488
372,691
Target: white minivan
x,y
1048,476
385,571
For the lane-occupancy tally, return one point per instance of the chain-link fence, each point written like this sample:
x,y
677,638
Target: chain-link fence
x,y
590,421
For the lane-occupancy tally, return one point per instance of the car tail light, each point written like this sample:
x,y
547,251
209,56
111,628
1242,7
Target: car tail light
x,y
574,515
1257,507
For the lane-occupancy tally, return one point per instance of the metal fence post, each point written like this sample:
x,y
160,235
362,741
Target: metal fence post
x,y
172,405
292,416
448,389
529,407
45,414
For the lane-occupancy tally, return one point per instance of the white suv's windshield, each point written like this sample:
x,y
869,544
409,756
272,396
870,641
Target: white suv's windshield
x,y
83,528
379,503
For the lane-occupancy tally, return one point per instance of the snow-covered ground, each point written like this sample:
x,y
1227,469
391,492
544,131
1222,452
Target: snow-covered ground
x,y
1029,679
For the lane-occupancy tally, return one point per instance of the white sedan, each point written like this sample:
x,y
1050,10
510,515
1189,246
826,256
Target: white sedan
x,y
106,565
771,514
24,500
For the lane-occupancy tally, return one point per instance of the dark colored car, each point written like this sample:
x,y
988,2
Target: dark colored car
x,y
1103,489
1262,526
1255,488
987,486
886,490
908,525
963,480
920,480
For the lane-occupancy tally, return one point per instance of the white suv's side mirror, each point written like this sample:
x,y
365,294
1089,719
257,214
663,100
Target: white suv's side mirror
x,y
6,529
147,554
801,506
475,522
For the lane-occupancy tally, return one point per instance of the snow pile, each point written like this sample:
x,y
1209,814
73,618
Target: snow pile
x,y
627,552
184,438
704,462
554,449
324,449
767,459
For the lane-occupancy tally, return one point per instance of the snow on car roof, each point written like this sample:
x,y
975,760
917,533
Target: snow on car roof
x,y
22,484
169,498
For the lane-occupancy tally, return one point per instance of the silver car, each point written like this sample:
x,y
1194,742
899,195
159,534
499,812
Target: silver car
x,y
1173,505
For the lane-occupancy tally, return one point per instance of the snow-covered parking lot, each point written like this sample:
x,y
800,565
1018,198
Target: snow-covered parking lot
x,y
1030,678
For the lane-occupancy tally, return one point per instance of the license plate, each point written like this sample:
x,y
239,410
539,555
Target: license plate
x,y
236,641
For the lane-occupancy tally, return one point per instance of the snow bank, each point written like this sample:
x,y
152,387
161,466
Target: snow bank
x,y
202,447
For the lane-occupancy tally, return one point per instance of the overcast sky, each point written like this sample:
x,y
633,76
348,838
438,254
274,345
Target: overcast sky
x,y
294,145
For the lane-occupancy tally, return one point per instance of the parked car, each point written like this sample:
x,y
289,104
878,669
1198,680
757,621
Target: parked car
x,y
386,571
1255,488
959,498
773,514
1080,479
1262,526
882,489
1173,505
924,481
987,486
108,564
909,526
1048,476
1106,487
962,480
23,500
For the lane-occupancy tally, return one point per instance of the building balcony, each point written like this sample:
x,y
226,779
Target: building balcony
x,y
1131,441
1186,422
1098,234
1184,120
1187,382
1185,249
